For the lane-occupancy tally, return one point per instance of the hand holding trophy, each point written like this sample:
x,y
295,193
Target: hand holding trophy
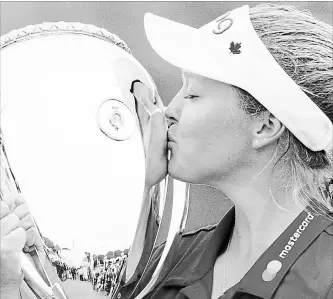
x,y
154,135
18,232
13,239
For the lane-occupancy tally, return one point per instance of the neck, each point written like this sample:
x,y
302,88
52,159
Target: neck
x,y
262,214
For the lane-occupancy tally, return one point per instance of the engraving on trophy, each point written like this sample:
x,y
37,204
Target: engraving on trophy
x,y
115,120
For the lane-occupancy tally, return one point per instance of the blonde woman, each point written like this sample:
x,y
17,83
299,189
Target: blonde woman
x,y
254,120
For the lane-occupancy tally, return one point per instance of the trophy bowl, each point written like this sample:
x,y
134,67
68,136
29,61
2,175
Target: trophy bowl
x,y
72,143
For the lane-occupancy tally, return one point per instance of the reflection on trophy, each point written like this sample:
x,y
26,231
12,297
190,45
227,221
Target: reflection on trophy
x,y
72,143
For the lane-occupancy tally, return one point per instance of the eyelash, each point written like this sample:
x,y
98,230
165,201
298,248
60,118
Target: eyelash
x,y
190,97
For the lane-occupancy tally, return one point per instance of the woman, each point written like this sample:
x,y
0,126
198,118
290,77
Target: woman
x,y
256,125
271,163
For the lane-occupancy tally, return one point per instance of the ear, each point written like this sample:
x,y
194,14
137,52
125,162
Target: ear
x,y
267,130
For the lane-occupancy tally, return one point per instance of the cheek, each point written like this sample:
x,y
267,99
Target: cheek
x,y
208,129
211,139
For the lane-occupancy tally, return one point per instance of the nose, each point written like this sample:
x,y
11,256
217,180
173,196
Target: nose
x,y
174,110
171,121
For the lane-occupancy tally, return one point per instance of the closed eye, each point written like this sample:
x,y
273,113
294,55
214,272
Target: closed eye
x,y
191,97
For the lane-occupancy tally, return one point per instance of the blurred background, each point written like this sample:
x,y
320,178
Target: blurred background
x,y
126,20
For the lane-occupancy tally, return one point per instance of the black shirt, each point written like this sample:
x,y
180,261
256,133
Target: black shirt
x,y
304,249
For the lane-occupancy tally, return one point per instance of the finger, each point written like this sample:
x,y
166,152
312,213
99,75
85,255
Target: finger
x,y
27,222
145,96
160,104
33,238
14,200
21,211
4,210
15,241
158,127
9,199
9,223
19,200
158,120
142,115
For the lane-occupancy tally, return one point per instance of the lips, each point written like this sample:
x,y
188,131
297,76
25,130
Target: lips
x,y
170,138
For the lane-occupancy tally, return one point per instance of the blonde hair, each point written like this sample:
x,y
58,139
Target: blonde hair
x,y
303,47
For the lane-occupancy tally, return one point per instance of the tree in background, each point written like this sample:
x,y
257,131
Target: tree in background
x,y
117,253
110,255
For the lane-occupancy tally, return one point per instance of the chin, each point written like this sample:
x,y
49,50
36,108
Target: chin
x,y
175,172
181,173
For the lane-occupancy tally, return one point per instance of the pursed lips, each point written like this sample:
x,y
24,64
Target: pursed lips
x,y
170,138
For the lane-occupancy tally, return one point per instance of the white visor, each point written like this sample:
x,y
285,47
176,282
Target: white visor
x,y
229,50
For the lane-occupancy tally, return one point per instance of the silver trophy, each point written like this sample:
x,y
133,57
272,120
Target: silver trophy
x,y
72,142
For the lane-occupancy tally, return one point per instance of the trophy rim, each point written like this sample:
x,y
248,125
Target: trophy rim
x,y
61,28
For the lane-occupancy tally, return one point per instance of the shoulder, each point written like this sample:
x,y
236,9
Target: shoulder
x,y
329,292
321,250
329,230
324,241
314,266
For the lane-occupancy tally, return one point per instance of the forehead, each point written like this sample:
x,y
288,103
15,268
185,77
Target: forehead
x,y
204,82
197,81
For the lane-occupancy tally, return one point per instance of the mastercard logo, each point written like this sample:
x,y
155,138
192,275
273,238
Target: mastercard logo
x,y
273,267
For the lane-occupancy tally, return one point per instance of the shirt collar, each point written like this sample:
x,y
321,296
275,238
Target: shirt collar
x,y
203,260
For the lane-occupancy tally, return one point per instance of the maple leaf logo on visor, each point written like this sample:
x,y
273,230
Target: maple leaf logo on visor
x,y
235,48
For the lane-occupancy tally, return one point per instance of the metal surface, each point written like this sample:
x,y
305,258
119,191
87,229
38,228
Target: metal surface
x,y
73,138
180,203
